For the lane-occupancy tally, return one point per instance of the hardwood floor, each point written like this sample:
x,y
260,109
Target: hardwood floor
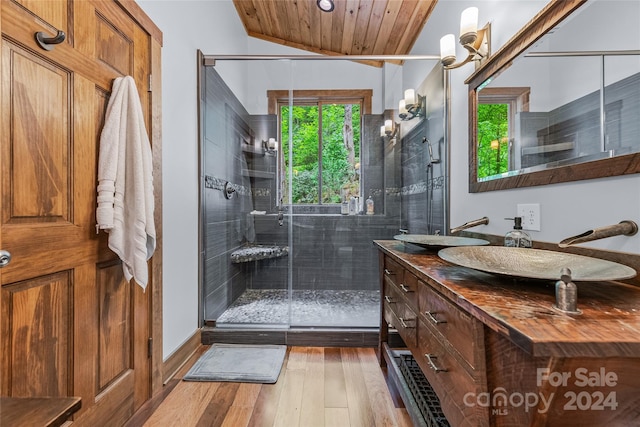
x,y
318,386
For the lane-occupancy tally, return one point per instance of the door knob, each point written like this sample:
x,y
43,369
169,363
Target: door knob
x,y
5,258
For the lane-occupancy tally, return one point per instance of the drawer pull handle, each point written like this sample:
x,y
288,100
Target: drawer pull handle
x,y
389,272
389,300
404,324
432,317
430,358
404,288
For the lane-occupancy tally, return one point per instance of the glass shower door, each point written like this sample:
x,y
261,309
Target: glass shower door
x,y
245,233
290,245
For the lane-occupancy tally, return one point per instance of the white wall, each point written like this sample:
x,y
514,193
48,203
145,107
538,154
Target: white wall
x,y
566,209
214,27
312,74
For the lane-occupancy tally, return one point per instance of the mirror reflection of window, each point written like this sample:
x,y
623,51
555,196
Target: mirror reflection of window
x,y
498,110
493,139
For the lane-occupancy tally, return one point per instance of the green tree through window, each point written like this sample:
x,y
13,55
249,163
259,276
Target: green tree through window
x,y
493,139
326,152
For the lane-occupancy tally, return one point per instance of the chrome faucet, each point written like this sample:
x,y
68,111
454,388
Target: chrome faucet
x,y
624,228
474,223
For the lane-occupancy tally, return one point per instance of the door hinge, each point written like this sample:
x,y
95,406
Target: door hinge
x,y
150,348
150,84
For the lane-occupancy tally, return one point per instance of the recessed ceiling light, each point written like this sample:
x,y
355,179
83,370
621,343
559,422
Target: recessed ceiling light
x,y
325,5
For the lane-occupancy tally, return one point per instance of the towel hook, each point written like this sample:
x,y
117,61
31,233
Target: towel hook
x,y
47,42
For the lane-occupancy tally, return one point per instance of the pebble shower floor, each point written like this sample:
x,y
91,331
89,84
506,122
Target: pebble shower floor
x,y
309,308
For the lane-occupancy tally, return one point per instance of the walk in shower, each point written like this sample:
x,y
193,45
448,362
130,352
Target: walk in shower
x,y
279,249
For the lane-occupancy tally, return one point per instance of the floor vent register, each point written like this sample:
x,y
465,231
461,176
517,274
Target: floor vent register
x,y
422,392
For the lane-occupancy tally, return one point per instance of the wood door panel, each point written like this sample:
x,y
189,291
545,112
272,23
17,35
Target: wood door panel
x,y
70,324
37,338
37,147
51,249
114,356
111,407
22,28
140,73
55,14
113,47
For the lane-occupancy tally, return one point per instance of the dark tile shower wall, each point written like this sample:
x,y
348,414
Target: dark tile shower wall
x,y
330,251
225,227
423,192
578,122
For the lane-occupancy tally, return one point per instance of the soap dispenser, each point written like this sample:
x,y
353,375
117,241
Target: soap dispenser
x,y
517,238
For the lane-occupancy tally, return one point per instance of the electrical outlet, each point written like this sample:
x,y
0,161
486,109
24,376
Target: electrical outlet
x,y
530,214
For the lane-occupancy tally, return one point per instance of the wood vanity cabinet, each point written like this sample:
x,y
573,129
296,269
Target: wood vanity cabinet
x,y
497,354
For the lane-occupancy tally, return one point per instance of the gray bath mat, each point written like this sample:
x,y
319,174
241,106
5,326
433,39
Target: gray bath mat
x,y
239,363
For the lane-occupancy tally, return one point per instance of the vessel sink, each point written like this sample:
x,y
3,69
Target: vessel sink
x,y
535,263
436,241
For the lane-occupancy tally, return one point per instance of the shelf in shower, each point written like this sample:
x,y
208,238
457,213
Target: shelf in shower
x,y
258,252
252,173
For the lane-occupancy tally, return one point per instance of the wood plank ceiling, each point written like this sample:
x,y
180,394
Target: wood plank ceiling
x,y
354,27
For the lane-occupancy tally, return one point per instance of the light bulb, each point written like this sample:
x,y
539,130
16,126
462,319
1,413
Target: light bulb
x,y
402,107
409,97
469,25
448,49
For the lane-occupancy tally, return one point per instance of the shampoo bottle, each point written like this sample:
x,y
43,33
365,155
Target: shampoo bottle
x,y
517,237
369,204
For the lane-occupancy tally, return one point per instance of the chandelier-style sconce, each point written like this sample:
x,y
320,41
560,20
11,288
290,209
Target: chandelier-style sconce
x,y
476,41
390,129
411,106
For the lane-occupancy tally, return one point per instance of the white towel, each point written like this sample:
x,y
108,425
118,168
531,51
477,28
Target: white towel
x,y
125,183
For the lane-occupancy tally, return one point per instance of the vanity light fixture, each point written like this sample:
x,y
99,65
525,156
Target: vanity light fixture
x,y
476,41
390,129
325,5
411,106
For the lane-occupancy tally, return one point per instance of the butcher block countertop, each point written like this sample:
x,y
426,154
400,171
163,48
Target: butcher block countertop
x,y
521,310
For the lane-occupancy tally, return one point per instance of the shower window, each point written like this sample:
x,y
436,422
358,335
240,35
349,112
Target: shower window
x,y
325,128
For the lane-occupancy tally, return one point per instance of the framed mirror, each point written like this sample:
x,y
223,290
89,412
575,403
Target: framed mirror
x,y
560,101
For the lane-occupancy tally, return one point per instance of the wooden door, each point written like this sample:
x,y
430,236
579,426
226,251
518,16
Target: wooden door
x,y
71,325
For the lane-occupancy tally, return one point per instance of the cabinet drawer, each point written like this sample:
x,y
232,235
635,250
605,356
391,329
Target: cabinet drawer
x,y
393,304
409,289
449,379
404,322
407,327
400,316
463,332
393,271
